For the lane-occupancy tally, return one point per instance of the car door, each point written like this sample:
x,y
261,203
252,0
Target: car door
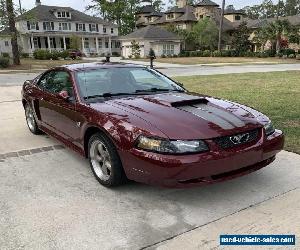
x,y
58,114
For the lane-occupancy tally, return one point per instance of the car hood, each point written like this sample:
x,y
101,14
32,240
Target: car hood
x,y
191,116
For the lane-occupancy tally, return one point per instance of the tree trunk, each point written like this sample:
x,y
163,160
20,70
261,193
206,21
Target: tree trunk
x,y
13,32
278,38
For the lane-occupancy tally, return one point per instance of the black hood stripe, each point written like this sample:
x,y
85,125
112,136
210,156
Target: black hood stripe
x,y
227,115
214,115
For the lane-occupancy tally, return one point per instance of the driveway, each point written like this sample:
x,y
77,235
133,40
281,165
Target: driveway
x,y
172,70
49,199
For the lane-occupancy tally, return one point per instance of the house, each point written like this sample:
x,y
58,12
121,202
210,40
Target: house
x,y
160,40
184,15
52,27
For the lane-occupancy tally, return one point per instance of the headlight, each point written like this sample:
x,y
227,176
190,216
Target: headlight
x,y
269,128
171,146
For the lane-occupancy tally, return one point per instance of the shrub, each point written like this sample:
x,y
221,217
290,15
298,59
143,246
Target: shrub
x,y
42,54
225,53
298,57
64,54
279,54
24,55
291,56
287,51
206,53
4,62
115,53
175,55
163,56
4,54
55,55
216,53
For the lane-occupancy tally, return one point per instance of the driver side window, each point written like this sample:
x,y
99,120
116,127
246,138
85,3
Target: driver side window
x,y
57,81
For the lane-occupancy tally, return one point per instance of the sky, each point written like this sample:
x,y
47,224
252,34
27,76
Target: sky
x,y
81,4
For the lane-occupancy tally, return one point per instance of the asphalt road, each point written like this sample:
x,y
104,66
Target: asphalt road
x,y
173,70
49,199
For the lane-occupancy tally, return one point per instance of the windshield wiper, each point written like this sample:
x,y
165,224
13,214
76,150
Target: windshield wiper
x,y
108,94
154,90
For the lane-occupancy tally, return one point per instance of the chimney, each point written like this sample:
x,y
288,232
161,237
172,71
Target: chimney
x,y
181,3
37,2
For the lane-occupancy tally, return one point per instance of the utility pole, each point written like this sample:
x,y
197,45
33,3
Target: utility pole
x,y
13,32
221,26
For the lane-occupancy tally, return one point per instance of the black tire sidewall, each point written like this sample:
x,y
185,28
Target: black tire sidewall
x,y
36,130
117,176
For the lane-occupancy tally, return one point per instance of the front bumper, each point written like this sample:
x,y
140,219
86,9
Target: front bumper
x,y
200,169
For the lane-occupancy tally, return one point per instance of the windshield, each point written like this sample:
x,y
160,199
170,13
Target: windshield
x,y
106,82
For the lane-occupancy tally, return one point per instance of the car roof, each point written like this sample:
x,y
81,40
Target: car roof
x,y
99,65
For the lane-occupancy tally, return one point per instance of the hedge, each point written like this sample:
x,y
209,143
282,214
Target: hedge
x,y
4,62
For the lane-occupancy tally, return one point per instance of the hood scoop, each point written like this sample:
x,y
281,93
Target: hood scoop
x,y
191,102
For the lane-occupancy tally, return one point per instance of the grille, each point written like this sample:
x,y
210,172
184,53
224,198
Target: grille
x,y
237,139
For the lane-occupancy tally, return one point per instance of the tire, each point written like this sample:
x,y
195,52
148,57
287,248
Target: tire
x,y
105,161
30,120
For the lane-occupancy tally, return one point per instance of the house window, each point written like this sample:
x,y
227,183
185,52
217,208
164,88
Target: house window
x,y
64,26
237,18
201,16
63,14
80,27
35,42
112,30
48,25
168,49
104,30
106,45
99,43
171,16
93,27
117,44
6,43
86,43
52,42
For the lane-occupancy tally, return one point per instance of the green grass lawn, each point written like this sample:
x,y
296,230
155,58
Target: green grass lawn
x,y
227,60
276,94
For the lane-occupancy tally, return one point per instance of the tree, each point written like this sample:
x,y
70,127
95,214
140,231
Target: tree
x,y
121,12
75,42
157,4
186,35
240,39
275,32
13,31
135,49
205,34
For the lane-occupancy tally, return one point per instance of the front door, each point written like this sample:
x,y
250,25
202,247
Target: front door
x,y
57,114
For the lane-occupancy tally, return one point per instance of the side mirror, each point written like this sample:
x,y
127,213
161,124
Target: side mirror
x,y
64,95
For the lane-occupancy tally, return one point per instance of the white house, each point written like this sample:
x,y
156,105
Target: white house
x,y
51,27
163,42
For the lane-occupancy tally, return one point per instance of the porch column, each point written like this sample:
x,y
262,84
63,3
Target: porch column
x,y
103,45
97,45
109,45
49,44
32,43
65,45
82,43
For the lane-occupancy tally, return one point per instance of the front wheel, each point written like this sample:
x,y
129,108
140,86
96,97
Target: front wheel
x,y
30,120
105,162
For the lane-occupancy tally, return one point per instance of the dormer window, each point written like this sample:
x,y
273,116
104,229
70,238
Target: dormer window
x,y
170,16
93,27
63,14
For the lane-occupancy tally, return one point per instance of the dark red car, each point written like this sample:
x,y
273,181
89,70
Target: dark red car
x,y
135,123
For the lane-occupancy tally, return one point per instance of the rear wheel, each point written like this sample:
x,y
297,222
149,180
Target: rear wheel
x,y
30,120
105,162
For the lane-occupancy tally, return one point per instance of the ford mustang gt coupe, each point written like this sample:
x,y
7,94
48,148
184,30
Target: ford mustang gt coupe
x,y
133,122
